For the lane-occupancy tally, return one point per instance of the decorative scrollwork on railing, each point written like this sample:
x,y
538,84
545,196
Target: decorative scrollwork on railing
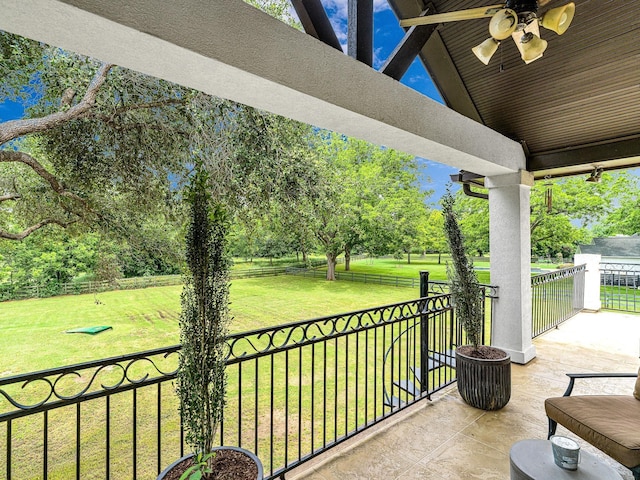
x,y
283,337
438,288
38,391
611,267
490,291
557,275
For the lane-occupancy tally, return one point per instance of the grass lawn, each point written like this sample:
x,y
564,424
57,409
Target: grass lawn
x,y
391,266
33,335
437,271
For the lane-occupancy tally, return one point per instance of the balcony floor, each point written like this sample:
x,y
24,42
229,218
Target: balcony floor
x,y
447,439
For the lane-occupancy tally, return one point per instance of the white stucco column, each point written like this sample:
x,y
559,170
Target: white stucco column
x,y
510,247
591,280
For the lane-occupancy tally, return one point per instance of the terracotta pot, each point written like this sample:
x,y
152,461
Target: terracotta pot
x,y
484,383
237,449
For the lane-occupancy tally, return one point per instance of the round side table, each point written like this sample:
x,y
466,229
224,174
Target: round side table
x,y
533,460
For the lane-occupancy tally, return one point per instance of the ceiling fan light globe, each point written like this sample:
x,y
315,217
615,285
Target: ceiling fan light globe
x,y
486,49
558,19
503,24
532,47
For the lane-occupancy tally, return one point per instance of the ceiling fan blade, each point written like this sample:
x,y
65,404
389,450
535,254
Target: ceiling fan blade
x,y
469,14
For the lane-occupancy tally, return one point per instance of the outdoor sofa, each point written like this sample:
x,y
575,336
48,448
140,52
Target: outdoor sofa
x,y
610,423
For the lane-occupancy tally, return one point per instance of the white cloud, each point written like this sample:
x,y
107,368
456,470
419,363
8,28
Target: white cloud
x,y
380,5
340,8
417,79
337,9
377,59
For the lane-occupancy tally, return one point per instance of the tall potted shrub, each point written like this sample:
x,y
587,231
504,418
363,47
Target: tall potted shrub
x,y
204,319
483,372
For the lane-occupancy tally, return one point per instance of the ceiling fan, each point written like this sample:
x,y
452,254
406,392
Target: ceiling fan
x,y
518,19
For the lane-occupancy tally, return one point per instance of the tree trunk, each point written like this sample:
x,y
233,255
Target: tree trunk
x,y
439,258
331,266
304,256
409,257
347,259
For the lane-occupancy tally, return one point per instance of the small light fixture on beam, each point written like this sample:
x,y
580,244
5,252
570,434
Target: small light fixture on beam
x,y
595,175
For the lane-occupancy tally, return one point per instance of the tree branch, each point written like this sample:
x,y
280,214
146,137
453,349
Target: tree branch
x,y
137,106
535,224
16,128
21,157
10,196
28,231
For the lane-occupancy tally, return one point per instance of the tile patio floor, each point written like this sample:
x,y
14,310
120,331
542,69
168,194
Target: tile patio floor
x,y
447,440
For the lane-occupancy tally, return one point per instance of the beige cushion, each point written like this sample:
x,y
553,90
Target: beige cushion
x,y
610,423
636,391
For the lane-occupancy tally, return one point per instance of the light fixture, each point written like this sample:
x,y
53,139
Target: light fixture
x,y
503,24
529,43
595,175
486,49
516,18
532,47
519,19
558,19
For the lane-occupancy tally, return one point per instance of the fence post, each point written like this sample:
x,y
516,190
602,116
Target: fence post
x,y
424,283
591,280
424,334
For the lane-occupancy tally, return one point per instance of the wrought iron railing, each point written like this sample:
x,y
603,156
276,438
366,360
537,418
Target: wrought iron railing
x,y
556,297
620,286
440,287
294,391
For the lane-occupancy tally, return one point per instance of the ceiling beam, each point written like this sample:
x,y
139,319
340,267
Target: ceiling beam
x,y
408,49
585,154
360,30
230,49
315,21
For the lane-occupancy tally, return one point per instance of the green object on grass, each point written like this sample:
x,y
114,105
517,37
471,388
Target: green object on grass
x,y
89,330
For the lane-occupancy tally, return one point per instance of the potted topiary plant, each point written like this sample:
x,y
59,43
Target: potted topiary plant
x,y
483,372
204,317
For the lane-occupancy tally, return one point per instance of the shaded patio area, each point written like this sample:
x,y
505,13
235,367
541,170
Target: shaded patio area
x,y
446,439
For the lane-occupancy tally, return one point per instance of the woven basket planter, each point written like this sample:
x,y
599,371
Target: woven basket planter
x,y
484,383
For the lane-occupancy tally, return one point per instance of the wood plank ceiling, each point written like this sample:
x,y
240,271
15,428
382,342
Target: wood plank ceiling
x,y
575,109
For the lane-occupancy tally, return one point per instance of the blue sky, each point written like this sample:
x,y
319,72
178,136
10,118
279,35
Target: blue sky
x,y
10,111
